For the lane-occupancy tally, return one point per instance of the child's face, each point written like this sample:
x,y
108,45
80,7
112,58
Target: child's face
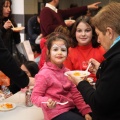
x,y
83,34
58,52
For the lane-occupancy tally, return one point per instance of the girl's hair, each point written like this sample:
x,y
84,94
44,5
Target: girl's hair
x,y
54,36
63,30
108,16
84,19
32,67
2,3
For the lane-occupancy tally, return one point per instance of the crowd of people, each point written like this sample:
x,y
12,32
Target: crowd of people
x,y
62,47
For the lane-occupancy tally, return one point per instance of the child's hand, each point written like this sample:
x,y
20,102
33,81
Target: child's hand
x,y
88,117
51,104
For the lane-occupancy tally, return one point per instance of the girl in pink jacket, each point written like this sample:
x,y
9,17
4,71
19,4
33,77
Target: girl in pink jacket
x,y
52,86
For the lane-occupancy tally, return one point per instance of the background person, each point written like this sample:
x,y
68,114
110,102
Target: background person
x,y
30,68
51,17
34,35
105,99
9,37
34,31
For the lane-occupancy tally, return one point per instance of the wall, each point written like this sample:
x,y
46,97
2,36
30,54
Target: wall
x,y
65,4
22,11
18,12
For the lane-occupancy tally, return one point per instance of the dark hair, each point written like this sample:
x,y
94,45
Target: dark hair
x,y
32,67
54,36
47,1
84,19
73,5
2,3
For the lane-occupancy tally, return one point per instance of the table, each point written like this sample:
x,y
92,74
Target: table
x,y
21,112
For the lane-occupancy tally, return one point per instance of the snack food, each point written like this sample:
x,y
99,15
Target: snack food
x,y
6,105
78,73
17,29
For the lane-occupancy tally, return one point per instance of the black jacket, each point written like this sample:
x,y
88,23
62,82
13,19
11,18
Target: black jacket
x,y
8,36
105,100
33,29
11,69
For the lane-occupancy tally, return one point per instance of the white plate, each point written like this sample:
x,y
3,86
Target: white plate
x,y
72,21
3,106
78,73
17,29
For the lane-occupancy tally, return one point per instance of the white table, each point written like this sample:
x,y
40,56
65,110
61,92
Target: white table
x,y
21,112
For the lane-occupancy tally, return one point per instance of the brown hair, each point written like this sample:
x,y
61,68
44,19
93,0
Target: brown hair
x,y
53,37
108,16
84,19
63,30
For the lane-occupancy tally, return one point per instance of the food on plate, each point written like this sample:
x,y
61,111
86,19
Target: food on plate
x,y
76,74
17,29
80,73
6,105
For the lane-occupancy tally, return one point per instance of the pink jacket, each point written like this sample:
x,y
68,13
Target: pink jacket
x,y
51,82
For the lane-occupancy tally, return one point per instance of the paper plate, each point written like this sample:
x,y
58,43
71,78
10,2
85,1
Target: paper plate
x,y
6,106
78,73
18,29
69,21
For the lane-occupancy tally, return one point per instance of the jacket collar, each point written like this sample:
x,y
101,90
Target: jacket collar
x,y
113,51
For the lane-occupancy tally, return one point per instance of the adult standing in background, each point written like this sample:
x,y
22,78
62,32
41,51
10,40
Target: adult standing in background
x,y
51,17
105,100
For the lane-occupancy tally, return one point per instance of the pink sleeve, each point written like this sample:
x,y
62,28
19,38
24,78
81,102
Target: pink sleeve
x,y
39,90
79,101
